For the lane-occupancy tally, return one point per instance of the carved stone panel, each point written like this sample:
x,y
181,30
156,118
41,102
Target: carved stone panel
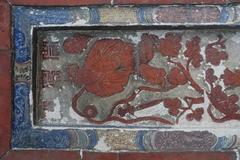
x,y
144,78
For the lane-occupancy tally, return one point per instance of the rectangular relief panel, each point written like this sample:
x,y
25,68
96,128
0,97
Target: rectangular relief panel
x,y
136,77
132,78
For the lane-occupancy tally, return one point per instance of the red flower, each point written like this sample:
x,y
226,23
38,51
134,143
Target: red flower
x,y
75,44
107,67
173,105
170,45
214,55
197,114
176,77
221,101
146,47
153,75
231,78
193,51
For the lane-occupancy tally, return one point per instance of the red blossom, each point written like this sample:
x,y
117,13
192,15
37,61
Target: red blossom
x,y
153,75
173,105
221,101
75,44
231,78
176,77
146,47
107,67
210,77
196,114
193,51
214,55
170,45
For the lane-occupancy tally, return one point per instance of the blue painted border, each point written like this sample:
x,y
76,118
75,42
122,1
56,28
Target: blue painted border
x,y
23,135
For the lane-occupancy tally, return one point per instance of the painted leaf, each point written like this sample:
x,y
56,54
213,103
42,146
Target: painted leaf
x,y
210,77
176,77
197,114
221,101
153,75
146,47
193,51
173,105
231,78
170,45
215,52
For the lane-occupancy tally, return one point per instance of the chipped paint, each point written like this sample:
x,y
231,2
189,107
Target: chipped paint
x,y
102,146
